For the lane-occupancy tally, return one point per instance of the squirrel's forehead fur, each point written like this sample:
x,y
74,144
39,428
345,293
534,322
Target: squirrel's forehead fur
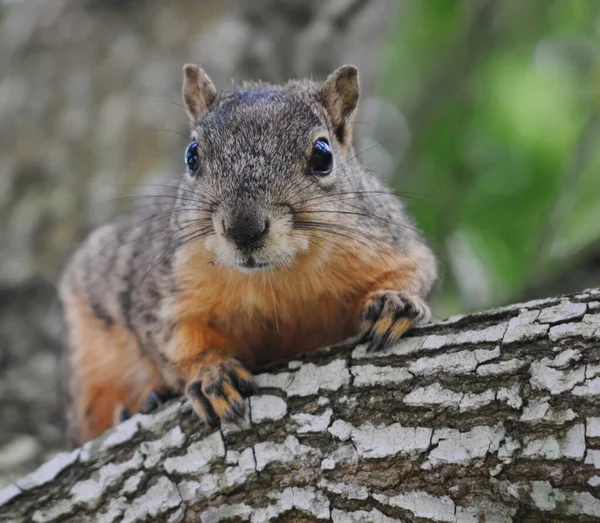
x,y
258,137
257,110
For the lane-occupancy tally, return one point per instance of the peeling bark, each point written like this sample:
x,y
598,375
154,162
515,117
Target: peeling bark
x,y
489,417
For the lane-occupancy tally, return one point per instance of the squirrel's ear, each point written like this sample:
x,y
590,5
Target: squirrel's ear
x,y
340,96
199,93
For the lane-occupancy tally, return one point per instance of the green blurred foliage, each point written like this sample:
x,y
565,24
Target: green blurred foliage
x,y
501,99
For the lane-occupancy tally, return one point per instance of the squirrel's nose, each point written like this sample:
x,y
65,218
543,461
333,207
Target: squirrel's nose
x,y
247,232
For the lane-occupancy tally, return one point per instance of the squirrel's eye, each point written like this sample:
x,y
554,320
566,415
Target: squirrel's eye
x,y
321,160
192,159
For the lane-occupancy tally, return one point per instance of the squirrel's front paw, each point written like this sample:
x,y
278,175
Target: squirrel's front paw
x,y
387,315
218,390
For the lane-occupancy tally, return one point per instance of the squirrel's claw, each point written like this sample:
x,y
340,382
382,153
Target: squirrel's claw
x,y
219,391
387,315
121,413
157,398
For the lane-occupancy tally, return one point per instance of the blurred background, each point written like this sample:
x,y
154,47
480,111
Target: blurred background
x,y
483,114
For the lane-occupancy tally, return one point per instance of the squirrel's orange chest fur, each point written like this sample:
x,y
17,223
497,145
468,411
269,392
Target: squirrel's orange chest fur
x,y
272,315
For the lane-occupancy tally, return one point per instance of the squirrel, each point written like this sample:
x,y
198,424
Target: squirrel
x,y
276,242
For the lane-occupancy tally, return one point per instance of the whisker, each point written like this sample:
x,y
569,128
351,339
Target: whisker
x,y
173,212
330,228
364,215
418,234
325,228
165,232
164,100
378,144
364,235
274,304
169,131
297,191
355,194
310,238
174,246
161,186
171,200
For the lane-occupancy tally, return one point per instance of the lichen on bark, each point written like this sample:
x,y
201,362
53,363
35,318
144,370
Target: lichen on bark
x,y
493,416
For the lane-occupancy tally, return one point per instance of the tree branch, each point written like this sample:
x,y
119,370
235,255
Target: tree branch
x,y
487,417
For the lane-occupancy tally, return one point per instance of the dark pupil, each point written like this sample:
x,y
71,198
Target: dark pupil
x,y
322,159
191,157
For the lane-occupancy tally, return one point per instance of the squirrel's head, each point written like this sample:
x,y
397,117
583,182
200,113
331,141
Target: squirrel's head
x,y
265,164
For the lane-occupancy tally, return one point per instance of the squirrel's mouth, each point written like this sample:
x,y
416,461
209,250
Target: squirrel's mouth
x,y
251,263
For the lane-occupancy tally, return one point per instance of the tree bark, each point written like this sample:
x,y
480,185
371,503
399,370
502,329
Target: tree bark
x,y
493,416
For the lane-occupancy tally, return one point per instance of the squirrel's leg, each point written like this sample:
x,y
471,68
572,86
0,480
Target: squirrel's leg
x,y
216,383
108,375
395,304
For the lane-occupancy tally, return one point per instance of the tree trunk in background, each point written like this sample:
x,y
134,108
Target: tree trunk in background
x,y
88,108
489,417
